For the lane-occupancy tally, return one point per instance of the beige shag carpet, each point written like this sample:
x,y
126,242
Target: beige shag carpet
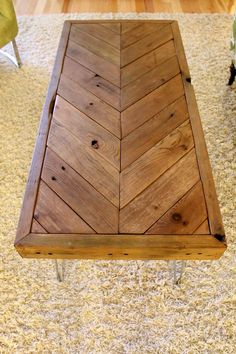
x,y
115,307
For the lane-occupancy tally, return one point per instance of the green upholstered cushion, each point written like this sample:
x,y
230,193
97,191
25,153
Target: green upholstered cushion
x,y
8,22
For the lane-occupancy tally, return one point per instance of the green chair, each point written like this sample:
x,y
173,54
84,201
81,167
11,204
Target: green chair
x,y
9,30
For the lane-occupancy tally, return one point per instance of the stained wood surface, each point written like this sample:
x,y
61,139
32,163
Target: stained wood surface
x,y
74,246
123,153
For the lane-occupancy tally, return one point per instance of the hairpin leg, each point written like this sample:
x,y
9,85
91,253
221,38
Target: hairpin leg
x,y
16,60
59,272
178,270
17,55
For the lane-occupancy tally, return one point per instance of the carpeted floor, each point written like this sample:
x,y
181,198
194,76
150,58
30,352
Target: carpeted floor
x,y
107,307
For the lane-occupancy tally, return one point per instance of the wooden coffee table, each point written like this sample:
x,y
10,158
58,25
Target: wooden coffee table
x,y
120,168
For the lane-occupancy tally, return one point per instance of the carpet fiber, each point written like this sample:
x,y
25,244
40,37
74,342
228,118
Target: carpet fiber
x,y
114,307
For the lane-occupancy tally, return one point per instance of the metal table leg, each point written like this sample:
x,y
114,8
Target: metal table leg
x,y
59,270
178,269
16,60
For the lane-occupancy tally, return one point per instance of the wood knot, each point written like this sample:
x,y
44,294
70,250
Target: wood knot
x,y
94,144
184,147
176,217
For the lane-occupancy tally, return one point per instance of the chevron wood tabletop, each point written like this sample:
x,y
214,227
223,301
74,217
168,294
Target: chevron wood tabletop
x,y
120,168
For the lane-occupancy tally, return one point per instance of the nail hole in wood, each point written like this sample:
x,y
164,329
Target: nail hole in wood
x,y
38,252
199,253
188,79
91,103
176,217
54,178
109,254
184,147
63,168
98,85
96,75
125,254
50,253
94,144
188,254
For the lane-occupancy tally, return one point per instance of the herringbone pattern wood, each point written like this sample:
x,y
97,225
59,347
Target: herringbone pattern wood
x,y
120,154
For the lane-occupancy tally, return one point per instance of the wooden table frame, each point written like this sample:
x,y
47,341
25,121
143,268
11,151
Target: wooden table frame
x,y
120,246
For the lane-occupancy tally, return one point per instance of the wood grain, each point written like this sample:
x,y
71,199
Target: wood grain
x,y
146,44
185,216
98,65
36,228
121,246
148,82
203,229
87,131
151,165
133,33
150,133
91,166
147,62
26,215
113,26
55,215
146,208
36,7
122,152
101,32
215,220
92,106
157,100
96,46
95,210
92,82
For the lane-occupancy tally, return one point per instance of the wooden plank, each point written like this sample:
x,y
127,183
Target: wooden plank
x,y
151,165
90,205
149,206
185,216
25,220
147,62
55,215
215,220
101,88
87,131
74,246
148,82
128,26
84,160
94,45
138,32
150,133
85,101
36,228
203,229
101,32
145,45
113,26
98,65
157,100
